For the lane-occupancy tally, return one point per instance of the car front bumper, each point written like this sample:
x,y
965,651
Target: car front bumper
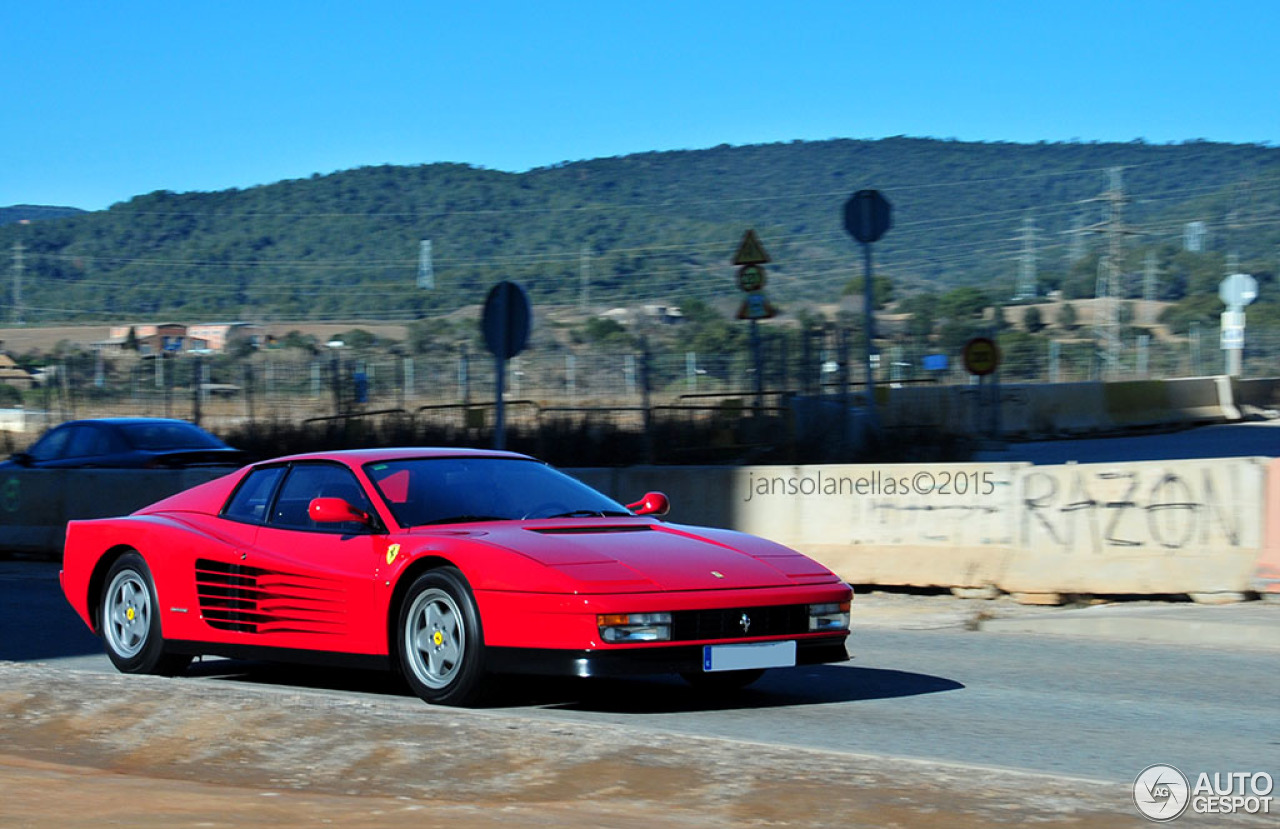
x,y
613,662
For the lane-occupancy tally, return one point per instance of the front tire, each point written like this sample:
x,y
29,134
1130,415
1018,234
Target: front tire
x,y
129,620
439,639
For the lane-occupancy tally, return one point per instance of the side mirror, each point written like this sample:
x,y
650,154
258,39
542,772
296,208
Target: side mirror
x,y
335,510
21,458
653,503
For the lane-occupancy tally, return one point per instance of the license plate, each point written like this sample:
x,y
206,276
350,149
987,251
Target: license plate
x,y
749,656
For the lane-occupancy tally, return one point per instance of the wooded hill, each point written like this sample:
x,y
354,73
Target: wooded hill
x,y
657,226
31,212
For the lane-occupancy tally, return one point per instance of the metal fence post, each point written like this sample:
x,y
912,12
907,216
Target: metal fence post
x,y
197,389
248,392
645,389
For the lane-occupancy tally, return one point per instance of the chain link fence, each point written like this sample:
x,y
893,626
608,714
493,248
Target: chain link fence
x,y
715,401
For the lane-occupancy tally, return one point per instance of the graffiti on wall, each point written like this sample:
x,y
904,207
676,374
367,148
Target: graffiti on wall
x,y
1179,506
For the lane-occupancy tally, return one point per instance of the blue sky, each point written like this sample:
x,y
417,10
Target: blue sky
x,y
102,101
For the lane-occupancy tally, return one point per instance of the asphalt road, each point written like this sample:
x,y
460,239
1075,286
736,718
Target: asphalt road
x,y
1223,440
1100,710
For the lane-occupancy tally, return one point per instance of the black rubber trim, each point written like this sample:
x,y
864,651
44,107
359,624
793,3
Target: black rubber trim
x,y
672,659
263,653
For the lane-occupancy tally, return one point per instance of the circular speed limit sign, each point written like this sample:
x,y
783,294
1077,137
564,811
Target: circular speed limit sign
x,y
750,278
981,356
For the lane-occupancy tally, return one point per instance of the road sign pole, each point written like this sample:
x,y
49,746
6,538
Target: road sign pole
x,y
1233,362
506,322
867,217
500,376
869,323
758,363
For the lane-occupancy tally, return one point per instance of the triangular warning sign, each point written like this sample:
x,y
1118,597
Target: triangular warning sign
x,y
750,251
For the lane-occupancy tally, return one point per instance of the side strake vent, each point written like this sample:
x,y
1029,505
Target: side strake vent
x,y
620,528
254,600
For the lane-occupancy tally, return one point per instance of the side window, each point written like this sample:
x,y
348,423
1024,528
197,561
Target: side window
x,y
87,442
318,480
52,446
251,499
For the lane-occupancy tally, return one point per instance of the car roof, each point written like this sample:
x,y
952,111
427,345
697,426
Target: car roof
x,y
359,457
127,421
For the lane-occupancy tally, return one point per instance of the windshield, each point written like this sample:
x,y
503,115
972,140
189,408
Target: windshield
x,y
450,490
161,436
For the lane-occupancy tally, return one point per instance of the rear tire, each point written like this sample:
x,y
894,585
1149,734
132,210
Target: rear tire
x,y
439,638
129,621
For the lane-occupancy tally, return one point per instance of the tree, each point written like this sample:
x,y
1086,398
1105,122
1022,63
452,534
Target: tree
x,y
999,318
963,304
602,331
1032,319
923,309
296,339
1067,316
881,285
358,338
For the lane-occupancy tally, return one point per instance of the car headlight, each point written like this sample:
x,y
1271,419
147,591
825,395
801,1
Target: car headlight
x,y
635,627
833,616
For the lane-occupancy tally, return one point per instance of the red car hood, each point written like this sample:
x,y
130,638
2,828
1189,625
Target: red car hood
x,y
631,553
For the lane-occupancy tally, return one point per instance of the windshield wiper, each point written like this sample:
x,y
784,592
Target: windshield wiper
x,y
591,513
461,519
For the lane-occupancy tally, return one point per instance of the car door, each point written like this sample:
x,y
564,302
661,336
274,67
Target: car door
x,y
92,446
315,582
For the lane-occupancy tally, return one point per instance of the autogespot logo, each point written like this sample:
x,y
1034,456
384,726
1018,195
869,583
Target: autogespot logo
x,y
1161,793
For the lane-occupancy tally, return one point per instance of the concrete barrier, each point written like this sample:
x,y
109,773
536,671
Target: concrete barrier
x,y
1267,577
902,524
36,504
1261,393
1168,527
909,524
1190,526
1058,409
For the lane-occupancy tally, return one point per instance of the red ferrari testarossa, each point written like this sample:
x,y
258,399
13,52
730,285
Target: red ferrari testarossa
x,y
446,565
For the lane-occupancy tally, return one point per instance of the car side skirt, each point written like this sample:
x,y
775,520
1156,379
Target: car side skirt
x,y
636,661
327,659
536,661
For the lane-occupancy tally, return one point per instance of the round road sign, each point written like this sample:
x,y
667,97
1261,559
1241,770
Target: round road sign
x,y
1238,290
981,356
506,320
867,215
750,278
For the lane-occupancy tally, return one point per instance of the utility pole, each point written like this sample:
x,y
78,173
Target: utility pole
x,y
1027,263
1075,251
17,282
426,267
1109,288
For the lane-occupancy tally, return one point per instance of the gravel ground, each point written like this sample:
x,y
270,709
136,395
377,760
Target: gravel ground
x,y
80,748
106,749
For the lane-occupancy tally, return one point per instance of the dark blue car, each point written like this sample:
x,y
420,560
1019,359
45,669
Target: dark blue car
x,y
126,443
